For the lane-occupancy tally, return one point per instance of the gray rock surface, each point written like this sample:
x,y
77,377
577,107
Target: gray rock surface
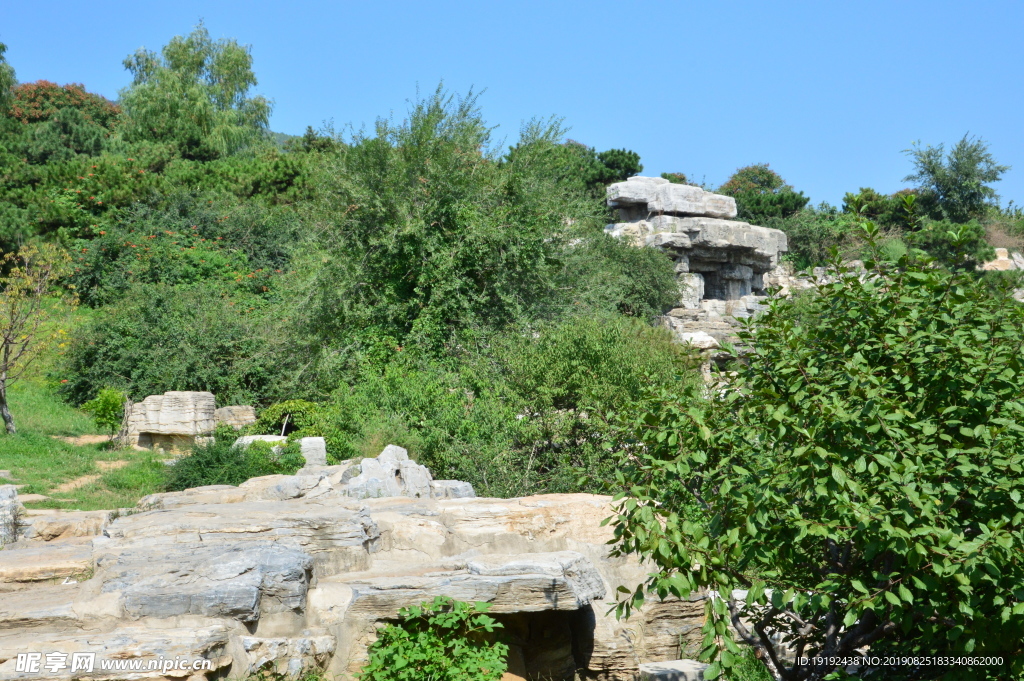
x,y
290,573
675,670
235,416
171,420
314,450
642,196
10,512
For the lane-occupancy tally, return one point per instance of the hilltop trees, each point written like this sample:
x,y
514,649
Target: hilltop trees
x,y
7,79
761,194
194,96
955,186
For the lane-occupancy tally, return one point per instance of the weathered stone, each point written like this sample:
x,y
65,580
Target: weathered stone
x,y
10,512
640,196
288,656
676,670
42,562
1002,262
50,525
120,649
391,474
235,416
171,420
451,489
287,573
314,451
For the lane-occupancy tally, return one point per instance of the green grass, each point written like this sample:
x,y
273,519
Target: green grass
x,y
42,463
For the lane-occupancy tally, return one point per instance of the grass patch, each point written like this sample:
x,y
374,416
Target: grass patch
x,y
42,463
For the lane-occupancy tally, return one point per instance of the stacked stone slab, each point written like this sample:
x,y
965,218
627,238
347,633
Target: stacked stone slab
x,y
172,420
175,419
720,262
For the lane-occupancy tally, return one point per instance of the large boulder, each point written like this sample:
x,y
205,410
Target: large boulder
x,y
642,196
235,416
172,420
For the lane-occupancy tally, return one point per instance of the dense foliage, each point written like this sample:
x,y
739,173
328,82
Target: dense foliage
x,y
761,193
955,186
860,478
221,463
442,640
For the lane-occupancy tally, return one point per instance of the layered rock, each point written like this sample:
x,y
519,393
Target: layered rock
x,y
720,263
236,416
288,573
172,420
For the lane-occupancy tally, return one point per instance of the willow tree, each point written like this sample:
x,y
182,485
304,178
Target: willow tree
x,y
195,96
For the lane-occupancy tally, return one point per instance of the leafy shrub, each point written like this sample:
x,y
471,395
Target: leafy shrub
x,y
440,640
955,246
865,466
762,194
812,233
220,463
107,409
42,101
184,240
521,412
604,274
162,338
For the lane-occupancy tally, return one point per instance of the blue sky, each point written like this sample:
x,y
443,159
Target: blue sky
x,y
828,93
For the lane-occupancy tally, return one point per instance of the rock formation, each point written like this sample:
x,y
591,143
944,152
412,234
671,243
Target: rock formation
x,y
176,419
720,262
235,416
171,420
287,573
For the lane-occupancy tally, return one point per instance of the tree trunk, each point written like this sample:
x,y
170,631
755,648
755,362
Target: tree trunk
x,y
5,412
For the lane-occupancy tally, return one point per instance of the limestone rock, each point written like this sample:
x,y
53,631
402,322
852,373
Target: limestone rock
x,y
676,670
639,196
10,511
287,573
171,420
391,474
314,451
235,416
41,563
1003,261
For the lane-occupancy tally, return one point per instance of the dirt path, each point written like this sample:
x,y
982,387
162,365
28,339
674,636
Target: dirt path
x,y
84,480
83,439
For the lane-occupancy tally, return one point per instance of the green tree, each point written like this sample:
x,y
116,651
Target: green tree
x,y
107,409
7,80
860,479
30,311
955,186
195,96
762,194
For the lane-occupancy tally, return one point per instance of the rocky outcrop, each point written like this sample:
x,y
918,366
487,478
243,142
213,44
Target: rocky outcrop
x,y
287,573
235,416
1004,261
720,263
172,420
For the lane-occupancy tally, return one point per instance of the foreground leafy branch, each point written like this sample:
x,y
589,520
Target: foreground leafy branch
x,y
860,480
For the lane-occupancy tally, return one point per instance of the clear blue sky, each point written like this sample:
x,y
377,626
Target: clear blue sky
x,y
828,93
